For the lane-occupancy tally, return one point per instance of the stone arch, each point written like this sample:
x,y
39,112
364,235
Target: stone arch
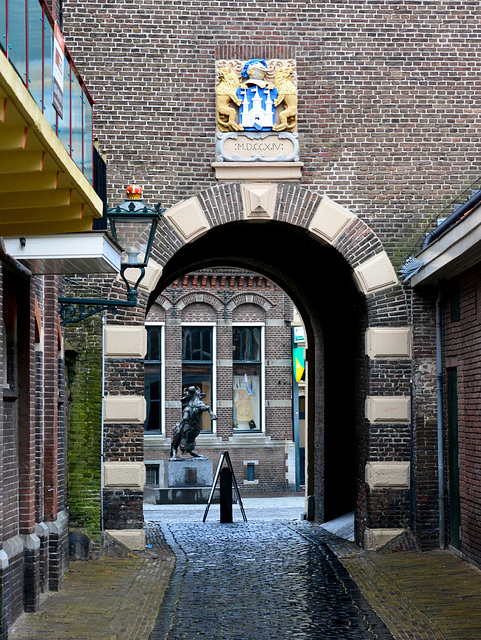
x,y
203,297
249,298
350,252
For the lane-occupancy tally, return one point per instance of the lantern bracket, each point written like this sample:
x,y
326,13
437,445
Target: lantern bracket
x,y
74,310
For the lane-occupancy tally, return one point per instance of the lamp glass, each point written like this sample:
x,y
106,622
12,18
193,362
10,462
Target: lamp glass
x,y
135,236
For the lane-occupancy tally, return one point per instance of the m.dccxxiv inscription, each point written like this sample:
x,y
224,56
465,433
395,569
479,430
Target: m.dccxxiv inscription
x,y
257,147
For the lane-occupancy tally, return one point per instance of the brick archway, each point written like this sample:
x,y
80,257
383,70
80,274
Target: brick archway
x,y
355,313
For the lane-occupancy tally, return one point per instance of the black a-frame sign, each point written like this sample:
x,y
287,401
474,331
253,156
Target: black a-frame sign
x,y
224,458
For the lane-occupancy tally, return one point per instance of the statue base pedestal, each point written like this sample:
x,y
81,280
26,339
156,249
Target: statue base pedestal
x,y
200,495
186,481
188,473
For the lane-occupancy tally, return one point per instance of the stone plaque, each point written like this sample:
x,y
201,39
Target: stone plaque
x,y
191,476
257,147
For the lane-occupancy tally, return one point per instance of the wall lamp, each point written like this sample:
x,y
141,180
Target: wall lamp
x,y
132,226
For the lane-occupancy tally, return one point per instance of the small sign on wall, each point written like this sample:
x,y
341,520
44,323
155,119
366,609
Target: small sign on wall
x,y
58,72
299,334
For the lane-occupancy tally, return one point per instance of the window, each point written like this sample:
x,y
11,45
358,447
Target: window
x,y
455,307
153,380
197,365
246,346
152,474
196,344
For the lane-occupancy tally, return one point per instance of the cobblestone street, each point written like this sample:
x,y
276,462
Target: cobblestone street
x,y
260,580
274,578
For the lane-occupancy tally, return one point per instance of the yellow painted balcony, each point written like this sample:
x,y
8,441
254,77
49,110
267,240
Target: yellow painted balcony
x,y
46,145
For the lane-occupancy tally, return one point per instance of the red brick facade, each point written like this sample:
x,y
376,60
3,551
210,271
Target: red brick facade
x,y
33,531
386,129
225,299
462,355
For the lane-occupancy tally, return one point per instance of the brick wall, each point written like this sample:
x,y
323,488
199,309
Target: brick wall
x,y
386,128
270,472
386,90
462,350
33,443
425,493
84,367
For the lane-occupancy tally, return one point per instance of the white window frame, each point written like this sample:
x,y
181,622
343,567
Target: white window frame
x,y
263,370
162,380
214,370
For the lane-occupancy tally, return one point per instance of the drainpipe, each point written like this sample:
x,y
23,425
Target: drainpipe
x,y
102,432
439,378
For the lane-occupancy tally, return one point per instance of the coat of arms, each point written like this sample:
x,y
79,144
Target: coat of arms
x,y
256,111
251,100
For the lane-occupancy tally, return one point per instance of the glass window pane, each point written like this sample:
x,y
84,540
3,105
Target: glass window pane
x,y
153,397
152,474
246,344
35,57
64,123
197,344
17,46
256,343
200,376
247,397
153,343
77,118
3,24
48,110
207,343
186,343
87,140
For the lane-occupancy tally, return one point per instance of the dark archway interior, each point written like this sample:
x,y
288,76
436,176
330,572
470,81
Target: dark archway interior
x,y
320,283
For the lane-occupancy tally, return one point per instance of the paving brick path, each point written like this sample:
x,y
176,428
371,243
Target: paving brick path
x,y
107,599
422,596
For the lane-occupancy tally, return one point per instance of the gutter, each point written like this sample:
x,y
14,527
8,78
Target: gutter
x,y
452,219
12,263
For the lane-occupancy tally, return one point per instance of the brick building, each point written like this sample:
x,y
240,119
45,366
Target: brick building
x,y
385,135
229,333
449,271
48,203
379,133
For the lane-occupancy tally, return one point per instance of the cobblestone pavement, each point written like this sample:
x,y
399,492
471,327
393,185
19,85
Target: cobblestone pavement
x,y
259,581
276,577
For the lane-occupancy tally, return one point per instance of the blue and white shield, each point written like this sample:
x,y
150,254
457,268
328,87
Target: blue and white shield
x,y
257,111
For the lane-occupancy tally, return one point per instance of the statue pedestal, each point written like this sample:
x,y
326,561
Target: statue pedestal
x,y
189,473
186,481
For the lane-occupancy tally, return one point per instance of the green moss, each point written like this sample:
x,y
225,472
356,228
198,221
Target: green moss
x,y
84,375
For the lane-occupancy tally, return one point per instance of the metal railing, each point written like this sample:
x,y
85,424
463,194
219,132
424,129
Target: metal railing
x,y
27,40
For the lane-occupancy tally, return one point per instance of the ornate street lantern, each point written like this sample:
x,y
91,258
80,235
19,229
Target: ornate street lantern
x,y
133,225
